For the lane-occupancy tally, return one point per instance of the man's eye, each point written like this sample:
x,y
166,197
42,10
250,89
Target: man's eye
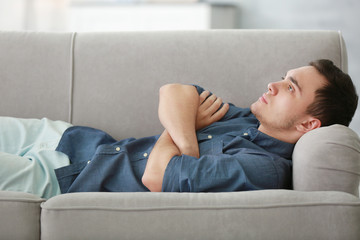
x,y
291,89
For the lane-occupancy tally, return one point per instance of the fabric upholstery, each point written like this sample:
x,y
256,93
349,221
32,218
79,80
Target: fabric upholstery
x,y
19,216
236,65
31,64
110,81
327,158
270,214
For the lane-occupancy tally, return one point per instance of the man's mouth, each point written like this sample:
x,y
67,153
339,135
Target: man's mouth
x,y
263,99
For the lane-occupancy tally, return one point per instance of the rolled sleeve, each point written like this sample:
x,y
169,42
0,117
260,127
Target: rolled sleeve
x,y
171,180
199,89
223,173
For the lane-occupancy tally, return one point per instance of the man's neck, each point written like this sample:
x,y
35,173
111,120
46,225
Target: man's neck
x,y
289,136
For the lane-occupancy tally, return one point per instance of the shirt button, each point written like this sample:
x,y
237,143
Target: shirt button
x,y
145,154
117,149
209,137
245,134
88,162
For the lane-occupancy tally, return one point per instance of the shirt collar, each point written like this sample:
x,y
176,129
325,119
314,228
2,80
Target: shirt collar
x,y
270,144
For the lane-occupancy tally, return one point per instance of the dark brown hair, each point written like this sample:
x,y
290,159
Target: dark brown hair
x,y
336,102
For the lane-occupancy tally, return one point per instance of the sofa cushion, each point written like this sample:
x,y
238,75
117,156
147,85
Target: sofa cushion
x,y
327,158
266,214
19,215
35,74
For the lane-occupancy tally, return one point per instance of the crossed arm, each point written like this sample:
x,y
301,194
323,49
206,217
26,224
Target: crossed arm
x,y
182,111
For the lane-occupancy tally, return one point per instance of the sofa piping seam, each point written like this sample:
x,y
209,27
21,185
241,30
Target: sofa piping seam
x,y
341,51
198,207
71,87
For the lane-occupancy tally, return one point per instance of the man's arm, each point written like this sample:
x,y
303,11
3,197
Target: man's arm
x,y
178,105
158,160
208,111
182,111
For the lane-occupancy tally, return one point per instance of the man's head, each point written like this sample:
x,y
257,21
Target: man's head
x,y
306,98
335,103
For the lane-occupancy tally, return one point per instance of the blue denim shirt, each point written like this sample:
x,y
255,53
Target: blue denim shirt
x,y
234,156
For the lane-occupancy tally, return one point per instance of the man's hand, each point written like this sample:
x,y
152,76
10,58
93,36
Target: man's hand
x,y
209,110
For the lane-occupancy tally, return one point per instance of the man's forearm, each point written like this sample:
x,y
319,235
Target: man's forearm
x,y
181,111
163,151
178,106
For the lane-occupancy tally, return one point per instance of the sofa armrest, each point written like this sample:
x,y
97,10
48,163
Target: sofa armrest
x,y
327,159
19,215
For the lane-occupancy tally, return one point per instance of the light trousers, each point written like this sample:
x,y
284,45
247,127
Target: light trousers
x,y
28,157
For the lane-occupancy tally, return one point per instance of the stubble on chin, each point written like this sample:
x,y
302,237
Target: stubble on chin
x,y
274,124
255,111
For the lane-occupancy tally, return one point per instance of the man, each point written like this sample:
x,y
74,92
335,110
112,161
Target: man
x,y
307,98
208,145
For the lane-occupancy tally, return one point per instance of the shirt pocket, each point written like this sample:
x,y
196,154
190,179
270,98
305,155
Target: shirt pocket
x,y
138,162
210,145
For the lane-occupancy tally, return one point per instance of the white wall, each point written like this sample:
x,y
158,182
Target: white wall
x,y
315,14
54,15
67,15
12,14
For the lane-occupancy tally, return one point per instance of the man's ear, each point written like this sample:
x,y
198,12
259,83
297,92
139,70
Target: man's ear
x,y
309,124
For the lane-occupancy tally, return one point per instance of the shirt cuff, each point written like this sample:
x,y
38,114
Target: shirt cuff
x,y
172,176
199,89
173,180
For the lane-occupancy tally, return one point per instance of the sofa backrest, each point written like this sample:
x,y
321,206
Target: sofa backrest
x,y
35,74
111,80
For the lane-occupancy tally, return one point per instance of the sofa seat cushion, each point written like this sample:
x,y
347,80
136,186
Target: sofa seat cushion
x,y
240,215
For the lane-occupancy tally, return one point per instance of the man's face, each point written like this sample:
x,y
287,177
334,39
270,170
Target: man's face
x,y
284,105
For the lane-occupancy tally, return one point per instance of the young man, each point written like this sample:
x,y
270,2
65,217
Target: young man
x,y
306,98
208,145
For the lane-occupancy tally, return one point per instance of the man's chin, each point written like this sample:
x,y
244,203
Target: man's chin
x,y
256,110
253,108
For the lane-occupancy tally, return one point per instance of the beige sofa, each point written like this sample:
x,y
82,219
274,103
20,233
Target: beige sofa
x,y
111,80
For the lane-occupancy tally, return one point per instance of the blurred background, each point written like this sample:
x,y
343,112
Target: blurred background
x,y
153,15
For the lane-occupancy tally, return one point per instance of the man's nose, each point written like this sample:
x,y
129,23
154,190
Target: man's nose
x,y
272,88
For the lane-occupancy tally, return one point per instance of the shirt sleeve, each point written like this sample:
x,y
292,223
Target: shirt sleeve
x,y
199,89
225,173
